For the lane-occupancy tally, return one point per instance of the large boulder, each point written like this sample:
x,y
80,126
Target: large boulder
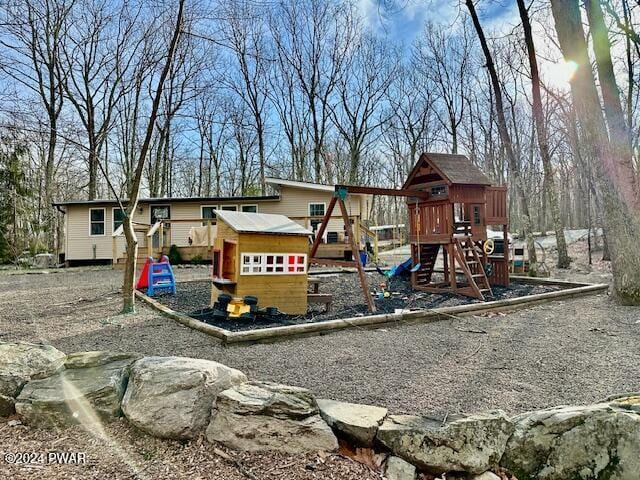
x,y
172,397
21,362
596,441
472,444
77,395
258,416
357,423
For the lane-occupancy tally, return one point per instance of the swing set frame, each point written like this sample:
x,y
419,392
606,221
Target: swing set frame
x,y
339,196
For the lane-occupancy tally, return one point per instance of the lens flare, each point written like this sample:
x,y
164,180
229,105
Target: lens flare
x,y
560,73
86,416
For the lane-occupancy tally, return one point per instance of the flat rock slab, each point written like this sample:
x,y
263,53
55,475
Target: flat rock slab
x,y
567,443
96,358
259,416
22,361
471,444
357,423
172,397
79,395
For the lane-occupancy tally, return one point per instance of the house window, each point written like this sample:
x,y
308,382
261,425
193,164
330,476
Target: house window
x,y
118,218
208,211
229,208
250,208
438,190
316,209
477,218
96,216
160,212
273,263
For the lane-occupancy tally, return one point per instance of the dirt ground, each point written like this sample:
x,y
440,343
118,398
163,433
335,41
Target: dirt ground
x,y
571,351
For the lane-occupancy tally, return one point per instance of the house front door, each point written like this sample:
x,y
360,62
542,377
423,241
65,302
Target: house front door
x,y
161,212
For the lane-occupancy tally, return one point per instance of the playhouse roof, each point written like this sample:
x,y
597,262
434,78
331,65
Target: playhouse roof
x,y
455,169
244,222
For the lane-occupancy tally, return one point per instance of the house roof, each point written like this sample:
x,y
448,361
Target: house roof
x,y
305,185
162,201
455,169
243,222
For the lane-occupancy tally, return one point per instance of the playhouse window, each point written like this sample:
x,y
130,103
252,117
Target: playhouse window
x,y
273,264
477,219
96,216
250,208
296,263
316,209
438,190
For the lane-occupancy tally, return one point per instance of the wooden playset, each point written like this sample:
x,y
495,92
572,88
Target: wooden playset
x,y
450,204
262,256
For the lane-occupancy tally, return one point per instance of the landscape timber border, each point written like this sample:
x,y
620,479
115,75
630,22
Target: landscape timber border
x,y
570,290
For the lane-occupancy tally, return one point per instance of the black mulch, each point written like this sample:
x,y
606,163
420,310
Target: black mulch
x,y
193,299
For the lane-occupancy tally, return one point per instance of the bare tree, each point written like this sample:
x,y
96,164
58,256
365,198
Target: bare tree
x,y
543,139
134,192
358,116
444,58
615,183
506,139
312,39
98,50
244,33
35,30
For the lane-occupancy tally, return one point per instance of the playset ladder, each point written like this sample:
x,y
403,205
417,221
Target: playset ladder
x,y
426,256
467,256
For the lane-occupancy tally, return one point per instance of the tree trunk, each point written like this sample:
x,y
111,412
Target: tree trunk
x,y
543,140
128,292
506,141
621,222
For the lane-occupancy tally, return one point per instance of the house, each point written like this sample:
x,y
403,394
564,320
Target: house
x,y
264,256
91,233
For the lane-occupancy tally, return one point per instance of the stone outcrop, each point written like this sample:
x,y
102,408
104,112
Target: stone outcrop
x,y
398,469
172,397
178,398
566,443
473,443
258,416
77,395
357,423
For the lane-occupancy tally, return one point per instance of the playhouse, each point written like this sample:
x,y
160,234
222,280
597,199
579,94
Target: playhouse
x,y
453,219
263,256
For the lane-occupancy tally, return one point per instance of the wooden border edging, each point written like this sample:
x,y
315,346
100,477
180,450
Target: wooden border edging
x,y
419,316
186,320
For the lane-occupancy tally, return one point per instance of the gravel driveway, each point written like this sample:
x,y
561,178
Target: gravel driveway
x,y
570,351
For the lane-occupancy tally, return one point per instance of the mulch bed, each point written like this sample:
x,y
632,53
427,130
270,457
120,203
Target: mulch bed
x,y
193,299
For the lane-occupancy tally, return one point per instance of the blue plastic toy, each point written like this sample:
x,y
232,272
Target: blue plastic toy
x,y
160,276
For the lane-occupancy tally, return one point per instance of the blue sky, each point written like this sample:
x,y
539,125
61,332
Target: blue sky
x,y
402,20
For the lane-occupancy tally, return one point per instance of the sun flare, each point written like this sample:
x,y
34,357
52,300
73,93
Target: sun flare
x,y
559,74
